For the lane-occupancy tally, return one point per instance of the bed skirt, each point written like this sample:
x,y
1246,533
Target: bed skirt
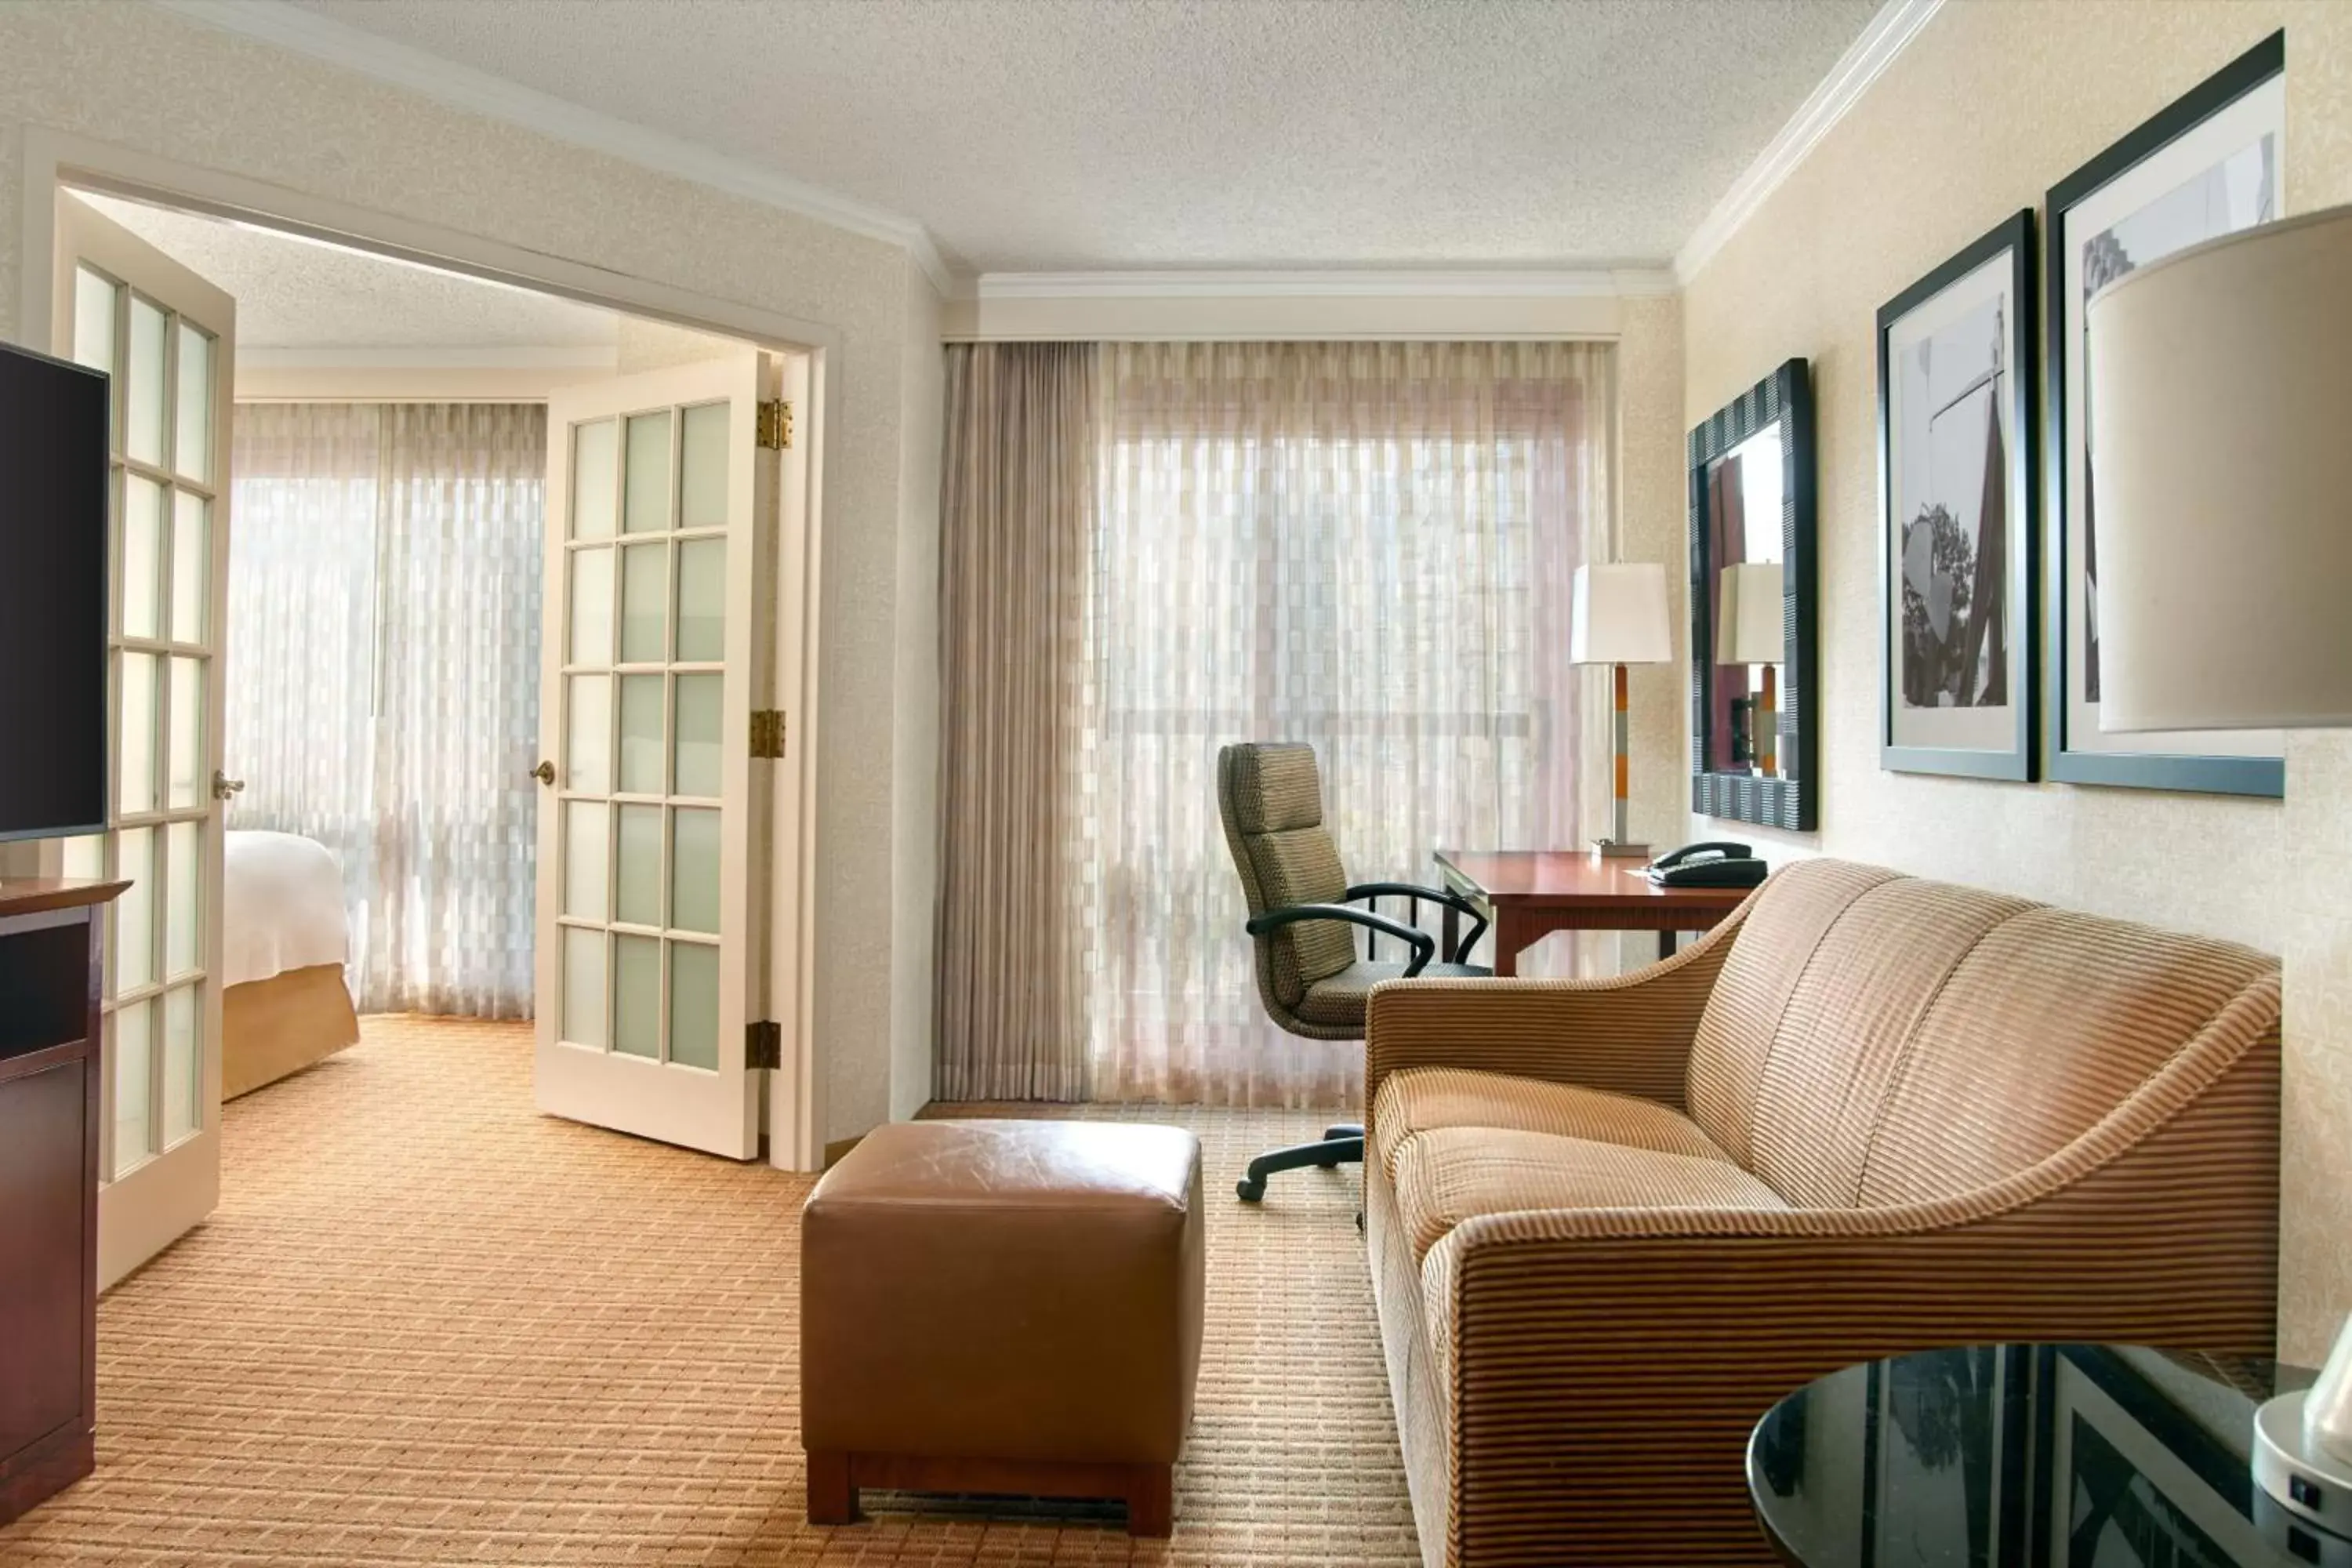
x,y
283,1025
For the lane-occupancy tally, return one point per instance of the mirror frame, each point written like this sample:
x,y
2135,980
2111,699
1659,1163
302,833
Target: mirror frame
x,y
1789,801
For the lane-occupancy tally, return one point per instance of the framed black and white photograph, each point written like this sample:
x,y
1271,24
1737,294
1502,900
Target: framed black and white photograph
x,y
2210,164
1956,514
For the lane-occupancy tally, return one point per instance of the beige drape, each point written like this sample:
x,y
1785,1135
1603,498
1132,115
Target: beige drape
x,y
1152,549
1017,502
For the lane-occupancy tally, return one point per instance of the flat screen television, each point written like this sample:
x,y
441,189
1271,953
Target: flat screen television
x,y
53,595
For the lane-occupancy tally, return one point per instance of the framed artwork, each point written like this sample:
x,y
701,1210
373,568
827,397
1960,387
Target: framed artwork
x,y
2210,164
1956,517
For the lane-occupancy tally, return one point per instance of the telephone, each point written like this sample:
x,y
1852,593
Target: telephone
x,y
1714,865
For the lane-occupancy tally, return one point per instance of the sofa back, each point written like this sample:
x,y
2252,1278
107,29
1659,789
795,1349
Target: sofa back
x,y
1877,1039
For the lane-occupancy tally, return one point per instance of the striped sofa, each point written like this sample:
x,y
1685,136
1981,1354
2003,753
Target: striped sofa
x,y
1612,1221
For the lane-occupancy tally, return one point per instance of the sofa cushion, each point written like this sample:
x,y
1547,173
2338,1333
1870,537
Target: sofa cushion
x,y
1342,998
1784,923
2047,1026
1448,1174
1848,1027
1421,1099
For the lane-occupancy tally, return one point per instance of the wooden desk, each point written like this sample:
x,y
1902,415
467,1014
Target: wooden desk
x,y
1531,893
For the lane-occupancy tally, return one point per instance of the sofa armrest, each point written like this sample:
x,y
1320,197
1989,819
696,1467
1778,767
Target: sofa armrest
x,y
1630,1034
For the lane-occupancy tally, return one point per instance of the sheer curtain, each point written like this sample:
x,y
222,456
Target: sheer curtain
x,y
383,678
1364,546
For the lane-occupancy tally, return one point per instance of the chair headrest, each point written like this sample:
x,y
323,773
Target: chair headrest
x,y
1273,786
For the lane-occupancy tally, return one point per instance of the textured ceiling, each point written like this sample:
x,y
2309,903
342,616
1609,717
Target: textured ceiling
x,y
302,294
1075,134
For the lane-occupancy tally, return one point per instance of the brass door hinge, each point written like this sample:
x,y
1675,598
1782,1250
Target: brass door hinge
x,y
763,1045
776,426
768,732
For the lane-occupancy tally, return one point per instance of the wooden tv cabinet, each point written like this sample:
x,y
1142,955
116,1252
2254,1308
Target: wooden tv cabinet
x,y
50,974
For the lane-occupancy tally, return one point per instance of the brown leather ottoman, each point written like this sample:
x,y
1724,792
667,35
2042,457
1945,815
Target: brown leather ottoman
x,y
1002,1307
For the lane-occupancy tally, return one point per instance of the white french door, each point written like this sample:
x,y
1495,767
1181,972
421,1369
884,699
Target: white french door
x,y
166,339
656,841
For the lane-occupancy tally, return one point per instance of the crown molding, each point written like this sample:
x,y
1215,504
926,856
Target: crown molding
x,y
463,87
557,356
1889,33
1591,283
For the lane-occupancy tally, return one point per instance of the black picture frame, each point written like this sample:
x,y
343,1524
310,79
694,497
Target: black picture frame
x,y
1790,800
2013,236
2067,762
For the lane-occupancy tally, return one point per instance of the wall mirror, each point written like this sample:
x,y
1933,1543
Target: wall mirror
x,y
1753,745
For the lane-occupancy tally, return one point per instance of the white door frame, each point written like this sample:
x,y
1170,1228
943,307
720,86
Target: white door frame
x,y
54,160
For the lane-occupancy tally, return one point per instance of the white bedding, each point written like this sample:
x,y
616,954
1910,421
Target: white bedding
x,y
282,899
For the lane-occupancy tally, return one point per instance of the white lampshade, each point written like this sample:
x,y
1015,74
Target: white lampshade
x,y
1617,615
1747,629
2221,396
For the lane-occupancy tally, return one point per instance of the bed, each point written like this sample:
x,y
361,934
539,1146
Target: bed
x,y
284,940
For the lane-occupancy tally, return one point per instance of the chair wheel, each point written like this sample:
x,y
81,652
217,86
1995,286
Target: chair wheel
x,y
1249,1189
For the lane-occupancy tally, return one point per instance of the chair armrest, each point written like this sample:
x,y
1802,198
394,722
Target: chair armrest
x,y
1445,896
1628,1034
1424,945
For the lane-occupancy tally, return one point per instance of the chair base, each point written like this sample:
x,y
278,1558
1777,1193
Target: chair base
x,y
1342,1144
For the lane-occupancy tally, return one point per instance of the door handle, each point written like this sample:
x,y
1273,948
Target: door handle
x,y
544,773
225,786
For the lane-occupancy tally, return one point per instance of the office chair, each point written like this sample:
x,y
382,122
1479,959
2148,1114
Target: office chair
x,y
1300,912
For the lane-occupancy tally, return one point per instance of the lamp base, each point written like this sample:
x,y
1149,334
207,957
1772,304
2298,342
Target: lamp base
x,y
1610,850
2313,1485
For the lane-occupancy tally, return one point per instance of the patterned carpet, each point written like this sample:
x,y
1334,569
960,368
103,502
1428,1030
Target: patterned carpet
x,y
431,1326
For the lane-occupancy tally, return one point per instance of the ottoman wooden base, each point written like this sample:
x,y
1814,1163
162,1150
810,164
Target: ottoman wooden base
x,y
835,1479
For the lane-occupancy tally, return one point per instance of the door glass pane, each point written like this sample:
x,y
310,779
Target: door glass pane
x,y
698,735
641,734
694,1005
585,852
594,475
645,605
191,434
638,895
702,500
144,394
134,911
588,740
181,904
181,1065
191,565
583,987
134,1066
636,995
592,606
702,601
694,871
93,320
136,766
644,507
185,756
142,557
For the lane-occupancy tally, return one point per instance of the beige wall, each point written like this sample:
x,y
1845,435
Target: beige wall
x,y
145,79
915,835
1994,102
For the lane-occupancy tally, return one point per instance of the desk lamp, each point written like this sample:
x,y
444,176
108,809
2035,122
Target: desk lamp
x,y
1617,615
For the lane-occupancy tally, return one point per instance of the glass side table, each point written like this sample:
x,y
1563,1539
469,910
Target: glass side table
x,y
2029,1457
